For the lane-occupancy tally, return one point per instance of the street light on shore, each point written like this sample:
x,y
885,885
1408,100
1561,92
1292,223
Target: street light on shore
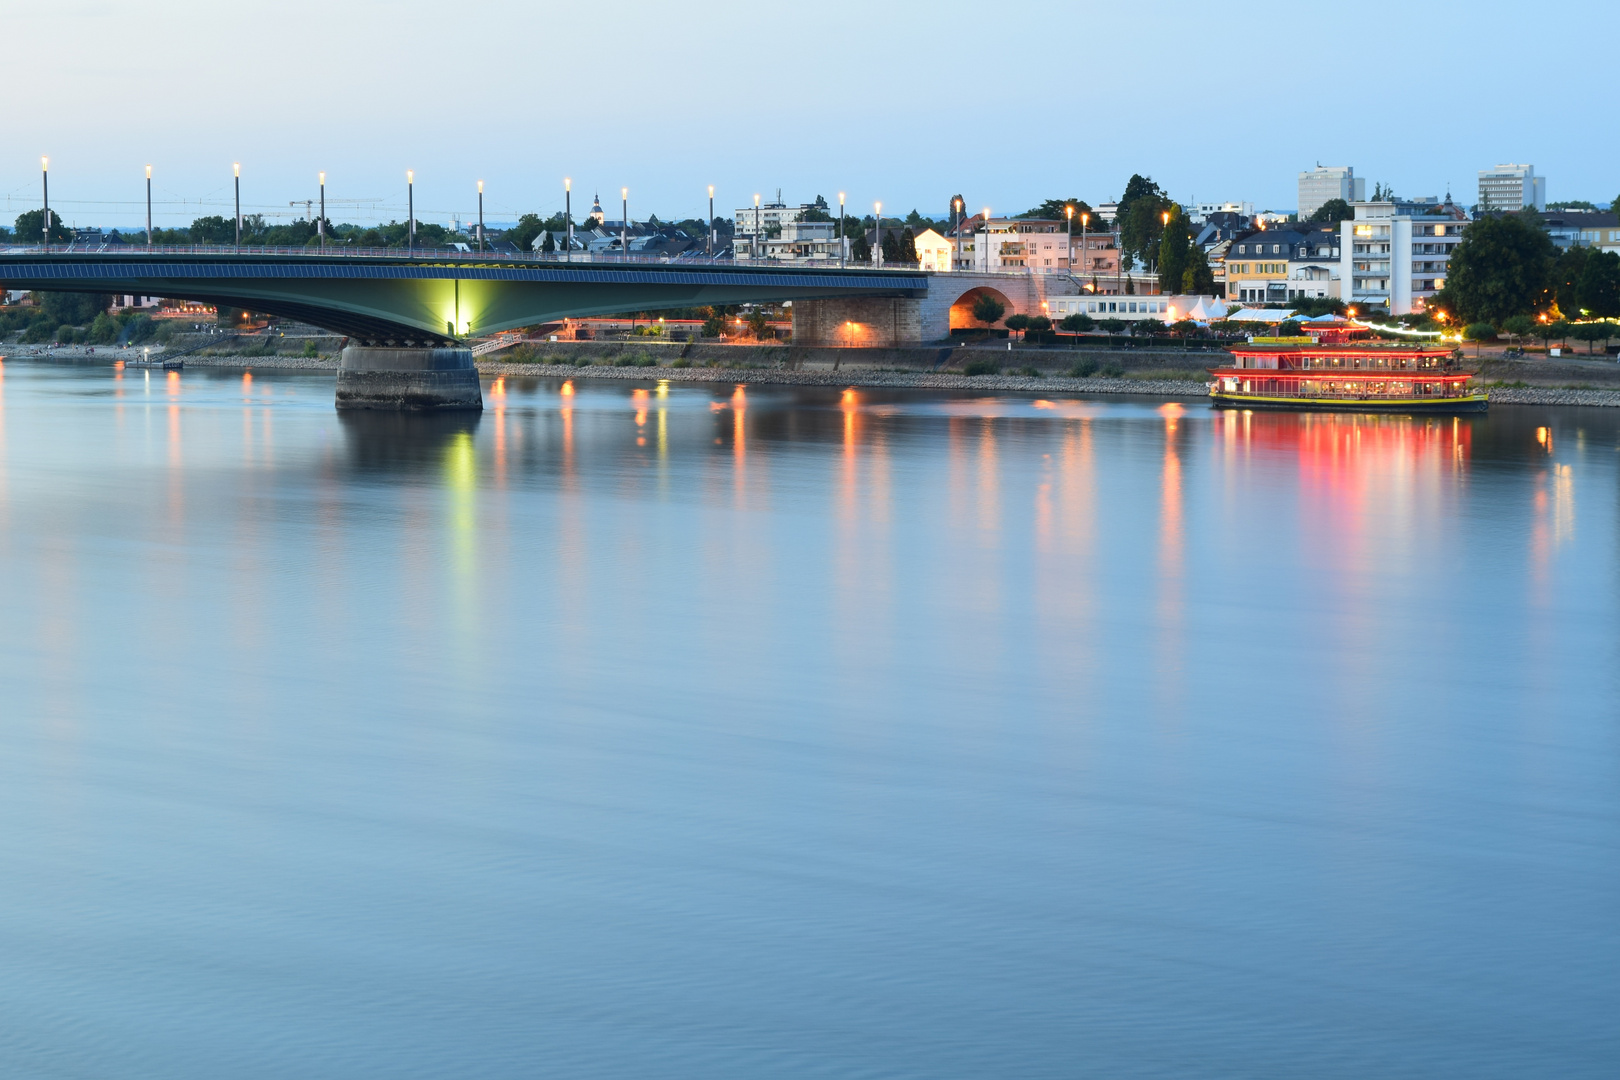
x,y
149,206
236,171
320,226
1085,219
45,179
1068,212
410,210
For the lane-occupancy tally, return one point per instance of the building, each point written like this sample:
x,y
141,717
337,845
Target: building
x,y
934,252
1325,183
1257,266
1396,259
1041,246
1200,213
799,241
1511,187
1577,228
1126,308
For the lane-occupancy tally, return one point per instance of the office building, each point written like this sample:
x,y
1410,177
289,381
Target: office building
x,y
1511,187
1325,183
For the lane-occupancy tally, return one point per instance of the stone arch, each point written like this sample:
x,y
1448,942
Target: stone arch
x,y
962,308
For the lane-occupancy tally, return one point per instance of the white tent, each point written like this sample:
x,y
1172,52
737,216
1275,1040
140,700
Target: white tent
x,y
1261,315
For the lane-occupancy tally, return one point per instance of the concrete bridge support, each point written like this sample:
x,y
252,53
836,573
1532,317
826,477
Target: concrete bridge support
x,y
880,321
407,379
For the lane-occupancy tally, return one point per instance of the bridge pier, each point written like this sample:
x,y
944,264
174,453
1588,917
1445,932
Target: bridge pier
x,y
407,379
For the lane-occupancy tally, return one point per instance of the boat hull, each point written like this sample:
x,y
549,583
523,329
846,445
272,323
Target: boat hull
x,y
1472,403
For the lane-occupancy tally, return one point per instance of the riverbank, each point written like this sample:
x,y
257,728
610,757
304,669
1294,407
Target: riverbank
x,y
1155,377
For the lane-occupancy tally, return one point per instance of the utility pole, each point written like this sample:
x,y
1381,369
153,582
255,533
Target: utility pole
x,y
149,206
877,236
711,221
410,209
45,178
320,226
624,226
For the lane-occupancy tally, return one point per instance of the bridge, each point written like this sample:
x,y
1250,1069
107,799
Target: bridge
x,y
409,315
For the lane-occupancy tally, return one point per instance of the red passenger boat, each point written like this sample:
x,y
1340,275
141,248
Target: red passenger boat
x,y
1299,373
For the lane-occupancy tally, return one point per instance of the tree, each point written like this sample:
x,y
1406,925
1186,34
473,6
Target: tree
x,y
760,326
1198,279
1598,290
104,330
891,247
1142,227
1519,327
1057,209
1502,267
1558,328
31,224
860,250
1333,210
816,213
1112,326
988,310
1566,279
1077,323
72,308
1138,187
1571,204
528,227
1173,245
1478,332
548,245
1591,333
1017,322
908,248
213,229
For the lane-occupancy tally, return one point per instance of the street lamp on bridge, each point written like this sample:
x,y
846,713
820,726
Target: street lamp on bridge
x,y
711,221
45,179
410,210
754,240
320,225
877,236
236,170
149,206
568,218
843,237
624,226
960,223
480,215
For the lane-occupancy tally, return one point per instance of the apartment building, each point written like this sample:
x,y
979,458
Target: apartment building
x,y
1584,228
1394,258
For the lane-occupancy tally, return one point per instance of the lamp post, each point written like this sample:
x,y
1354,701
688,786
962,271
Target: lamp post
x,y
480,215
568,216
843,238
624,225
320,226
711,221
410,210
45,180
1084,220
149,206
877,236
1068,212
960,222
1158,264
754,244
236,170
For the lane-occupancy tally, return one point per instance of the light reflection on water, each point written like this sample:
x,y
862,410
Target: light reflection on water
x,y
738,730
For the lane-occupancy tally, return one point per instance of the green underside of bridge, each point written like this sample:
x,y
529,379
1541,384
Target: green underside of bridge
x,y
443,306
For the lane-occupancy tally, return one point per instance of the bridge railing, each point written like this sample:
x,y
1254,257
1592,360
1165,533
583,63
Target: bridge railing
x,y
456,255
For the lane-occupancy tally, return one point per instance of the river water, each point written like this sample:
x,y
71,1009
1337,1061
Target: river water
x,y
730,731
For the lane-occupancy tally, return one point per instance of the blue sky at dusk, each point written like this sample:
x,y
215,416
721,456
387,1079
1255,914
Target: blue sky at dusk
x,y
909,103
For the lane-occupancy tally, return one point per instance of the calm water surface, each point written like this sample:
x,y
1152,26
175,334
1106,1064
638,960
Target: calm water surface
x,y
767,732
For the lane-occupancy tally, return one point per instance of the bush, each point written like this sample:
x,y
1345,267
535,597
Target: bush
x,y
1085,369
1077,323
1291,328
310,351
713,326
64,334
1111,371
982,367
104,330
141,328
682,363
1029,372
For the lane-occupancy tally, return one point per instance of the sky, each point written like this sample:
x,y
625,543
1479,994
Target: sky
x,y
907,103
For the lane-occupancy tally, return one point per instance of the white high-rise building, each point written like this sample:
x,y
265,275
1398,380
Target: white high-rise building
x,y
1397,254
1324,183
1512,187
